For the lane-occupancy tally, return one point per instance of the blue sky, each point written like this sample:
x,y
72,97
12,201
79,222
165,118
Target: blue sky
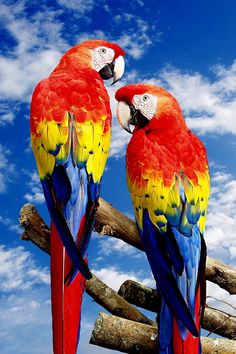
x,y
189,48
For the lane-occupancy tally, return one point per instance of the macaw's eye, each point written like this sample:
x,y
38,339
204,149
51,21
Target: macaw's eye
x,y
103,50
145,98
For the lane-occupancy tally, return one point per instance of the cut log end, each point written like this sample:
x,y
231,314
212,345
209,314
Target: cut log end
x,y
131,337
116,224
124,335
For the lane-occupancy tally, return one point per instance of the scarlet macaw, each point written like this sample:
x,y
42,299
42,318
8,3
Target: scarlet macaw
x,y
70,125
168,179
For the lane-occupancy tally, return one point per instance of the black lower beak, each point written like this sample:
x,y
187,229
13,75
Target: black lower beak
x,y
137,118
107,72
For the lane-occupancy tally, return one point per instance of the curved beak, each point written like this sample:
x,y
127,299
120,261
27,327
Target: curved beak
x,y
128,115
124,115
115,69
119,68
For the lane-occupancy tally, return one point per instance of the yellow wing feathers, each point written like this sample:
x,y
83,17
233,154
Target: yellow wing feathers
x,y
92,147
181,202
89,141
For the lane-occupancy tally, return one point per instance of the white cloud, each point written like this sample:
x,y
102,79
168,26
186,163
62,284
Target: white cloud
x,y
10,224
25,314
36,194
18,76
220,298
140,2
39,45
25,324
38,49
208,106
138,34
119,137
18,270
6,117
81,7
7,168
135,39
40,30
221,218
119,140
97,34
117,247
24,303
114,277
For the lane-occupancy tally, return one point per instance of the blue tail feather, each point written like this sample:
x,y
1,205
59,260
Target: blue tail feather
x,y
191,249
64,231
75,209
161,267
165,329
61,184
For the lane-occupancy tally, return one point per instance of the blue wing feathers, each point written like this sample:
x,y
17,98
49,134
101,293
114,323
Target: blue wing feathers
x,y
59,220
75,209
162,270
71,196
61,184
173,251
190,248
94,190
165,333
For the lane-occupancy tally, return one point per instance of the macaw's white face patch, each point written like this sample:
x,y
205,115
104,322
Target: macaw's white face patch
x,y
102,56
146,104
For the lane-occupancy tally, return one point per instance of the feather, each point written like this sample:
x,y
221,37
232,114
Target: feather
x,y
64,231
66,299
70,122
167,163
161,269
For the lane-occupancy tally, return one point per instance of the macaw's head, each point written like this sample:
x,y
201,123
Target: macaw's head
x,y
143,105
104,57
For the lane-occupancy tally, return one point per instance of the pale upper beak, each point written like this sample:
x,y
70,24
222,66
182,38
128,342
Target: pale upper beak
x,y
124,115
119,68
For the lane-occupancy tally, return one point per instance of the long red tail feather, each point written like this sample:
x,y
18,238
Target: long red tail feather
x,y
66,299
191,344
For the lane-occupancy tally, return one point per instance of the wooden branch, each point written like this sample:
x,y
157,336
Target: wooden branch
x,y
38,232
35,229
114,303
140,295
216,321
109,221
213,321
221,274
131,337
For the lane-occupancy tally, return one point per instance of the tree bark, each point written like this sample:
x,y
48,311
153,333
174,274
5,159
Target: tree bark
x,y
38,232
114,303
213,321
131,337
110,221
35,229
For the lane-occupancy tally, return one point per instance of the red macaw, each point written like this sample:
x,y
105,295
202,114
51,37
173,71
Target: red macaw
x,y
168,178
70,125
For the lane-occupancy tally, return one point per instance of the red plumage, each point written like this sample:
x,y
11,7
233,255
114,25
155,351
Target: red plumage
x,y
70,124
191,344
168,178
66,299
